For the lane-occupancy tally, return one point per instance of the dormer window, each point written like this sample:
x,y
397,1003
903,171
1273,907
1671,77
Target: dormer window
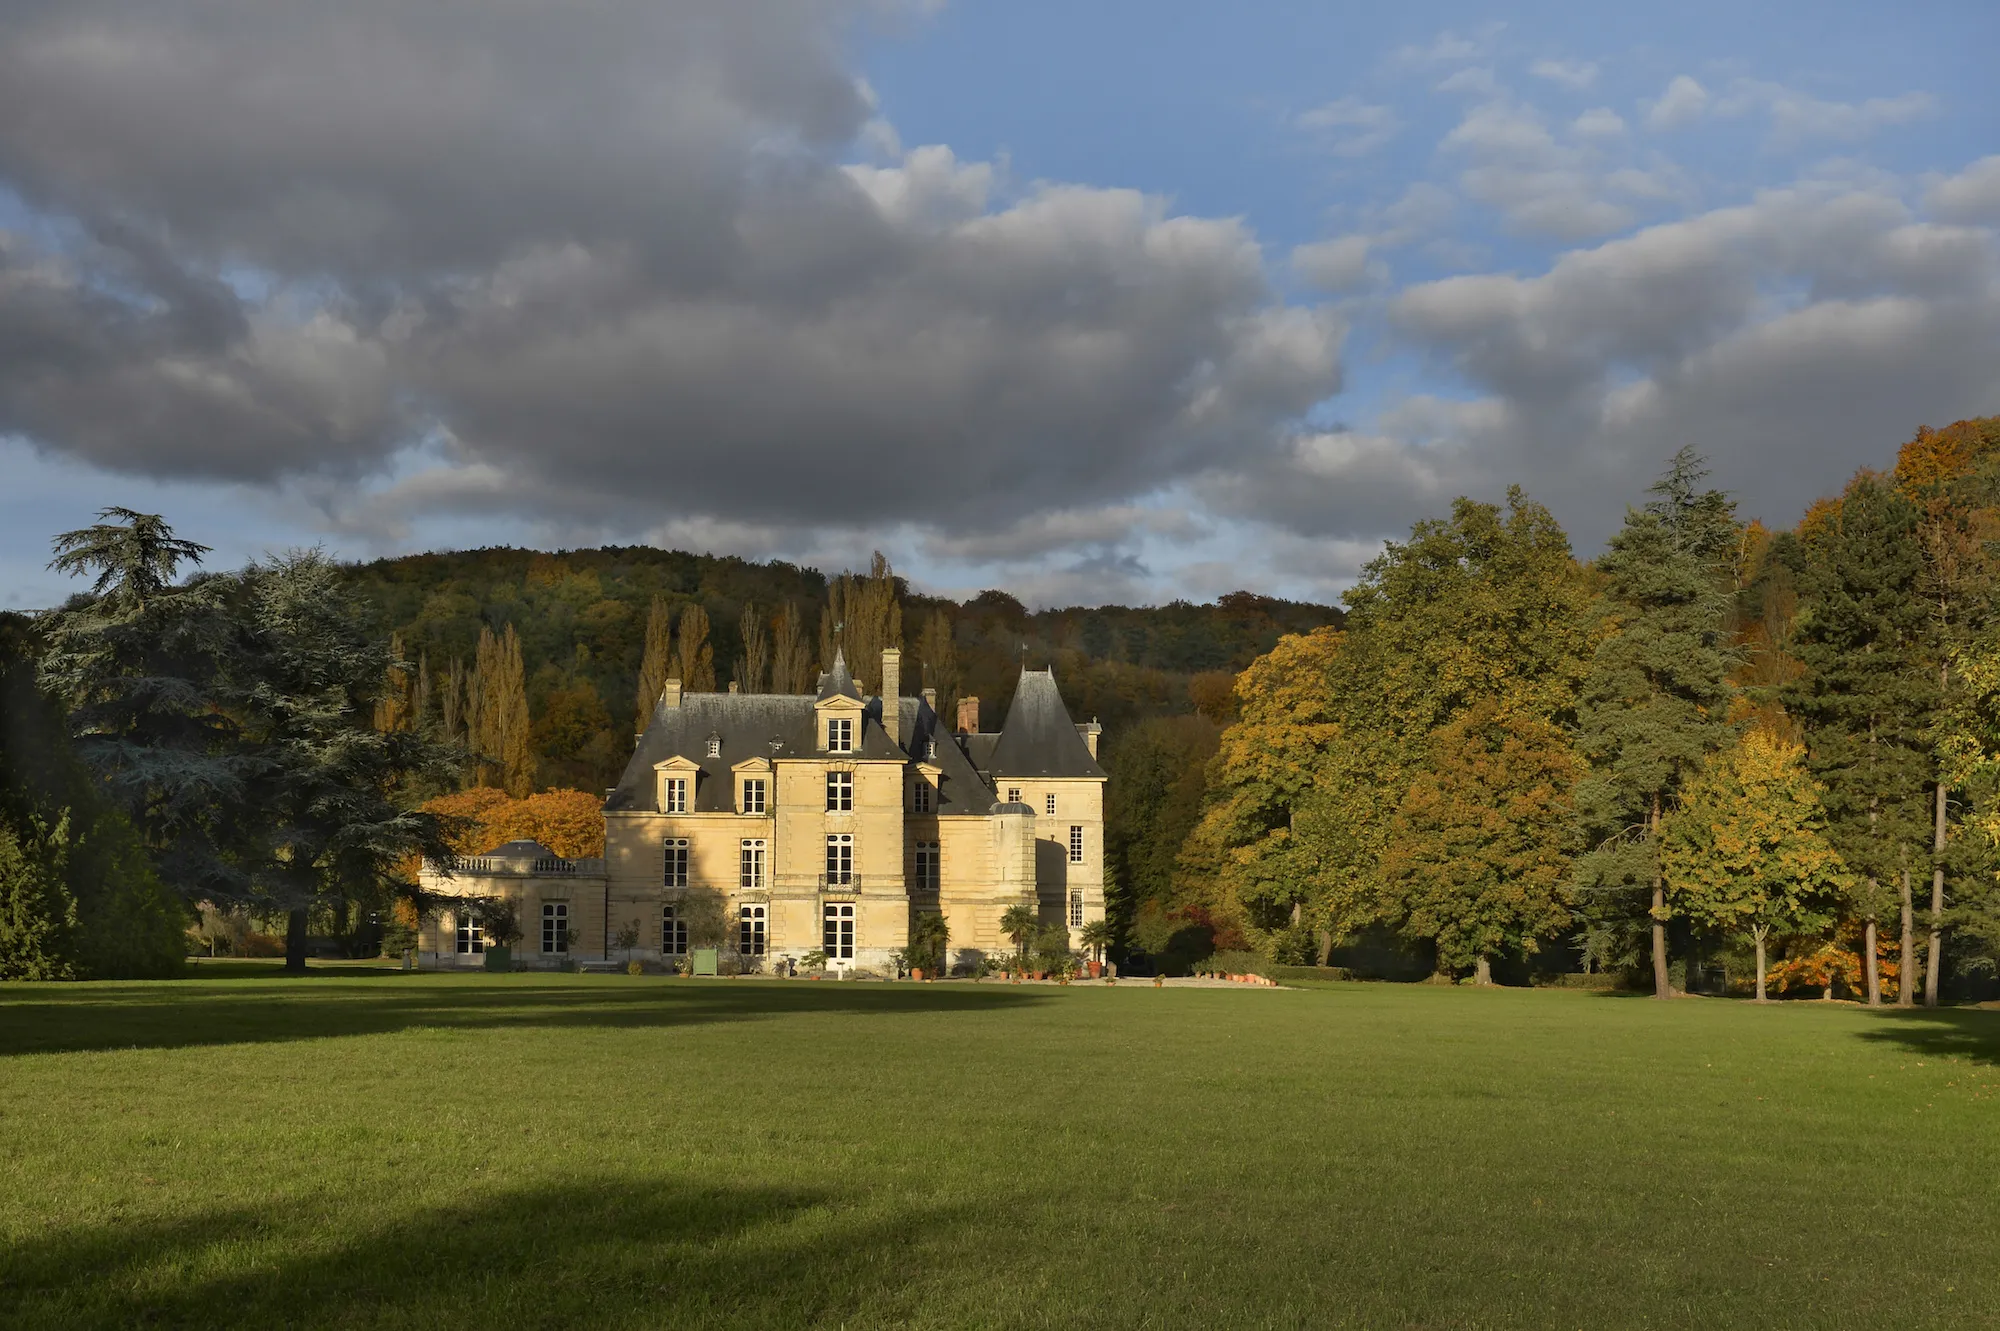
x,y
714,746
840,734
753,794
920,796
674,795
930,750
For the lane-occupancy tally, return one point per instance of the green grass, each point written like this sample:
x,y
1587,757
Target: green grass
x,y
526,1151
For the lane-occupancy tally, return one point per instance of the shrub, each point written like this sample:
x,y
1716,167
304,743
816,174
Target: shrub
x,y
1600,980
1235,963
1285,973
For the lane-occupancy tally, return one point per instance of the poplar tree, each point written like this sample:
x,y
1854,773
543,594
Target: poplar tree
x,y
864,614
791,658
937,649
655,662
497,715
753,666
1867,700
694,659
1655,703
1744,849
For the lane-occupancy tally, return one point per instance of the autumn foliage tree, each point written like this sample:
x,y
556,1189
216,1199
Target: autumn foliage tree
x,y
1745,849
568,822
1478,854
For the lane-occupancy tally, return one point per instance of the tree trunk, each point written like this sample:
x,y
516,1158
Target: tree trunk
x,y
1760,964
1906,967
1934,955
295,941
1482,972
1663,985
1868,959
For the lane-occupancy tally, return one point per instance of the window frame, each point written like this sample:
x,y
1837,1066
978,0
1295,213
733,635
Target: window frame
x,y
1076,843
674,794
752,864
837,930
673,930
928,865
1076,910
840,734
840,859
1049,803
921,796
839,791
469,939
752,928
555,928
1013,794
672,848
761,804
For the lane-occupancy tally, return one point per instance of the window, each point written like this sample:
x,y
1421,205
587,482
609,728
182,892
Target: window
x,y
750,931
1075,844
753,795
676,796
673,932
920,796
677,862
930,750
1013,794
752,877
714,747
929,863
471,938
840,860
555,926
840,734
839,933
1076,910
840,792
1049,803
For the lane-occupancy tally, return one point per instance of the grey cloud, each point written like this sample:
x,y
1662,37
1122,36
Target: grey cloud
x,y
1973,195
1791,339
605,261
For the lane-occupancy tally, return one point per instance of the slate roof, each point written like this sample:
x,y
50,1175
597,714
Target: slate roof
x,y
523,850
776,726
1038,737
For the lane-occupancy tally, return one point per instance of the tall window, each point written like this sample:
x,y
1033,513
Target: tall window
x,y
929,865
1013,794
840,734
1076,910
673,931
839,932
471,938
840,860
555,926
750,931
676,800
839,792
1049,803
753,795
920,795
1075,844
677,862
752,877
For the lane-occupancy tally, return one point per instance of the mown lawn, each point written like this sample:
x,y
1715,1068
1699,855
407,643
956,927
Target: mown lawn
x,y
517,1151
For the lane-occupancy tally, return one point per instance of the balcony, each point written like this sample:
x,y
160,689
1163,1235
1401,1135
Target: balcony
x,y
840,882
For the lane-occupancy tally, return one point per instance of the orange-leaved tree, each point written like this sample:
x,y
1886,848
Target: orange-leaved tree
x,y
568,822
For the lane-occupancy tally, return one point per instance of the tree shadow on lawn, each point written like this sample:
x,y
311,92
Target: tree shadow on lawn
x,y
605,1253
1966,1033
65,1019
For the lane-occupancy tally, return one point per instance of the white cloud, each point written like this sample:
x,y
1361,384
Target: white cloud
x,y
1684,102
1573,74
1599,122
1451,46
1797,117
1973,195
1540,186
1350,127
1477,81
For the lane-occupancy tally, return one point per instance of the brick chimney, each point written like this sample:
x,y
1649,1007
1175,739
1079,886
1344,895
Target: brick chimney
x,y
892,693
968,716
671,695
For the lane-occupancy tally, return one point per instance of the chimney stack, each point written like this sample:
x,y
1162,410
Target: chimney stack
x,y
735,687
892,694
670,696
930,699
968,716
1090,730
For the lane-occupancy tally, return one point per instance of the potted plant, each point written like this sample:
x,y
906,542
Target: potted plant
x,y
1096,936
502,929
628,939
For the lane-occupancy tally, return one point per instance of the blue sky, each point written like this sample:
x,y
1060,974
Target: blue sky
x,y
1094,302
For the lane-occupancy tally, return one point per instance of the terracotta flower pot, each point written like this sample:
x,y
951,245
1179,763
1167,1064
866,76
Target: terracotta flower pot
x,y
916,972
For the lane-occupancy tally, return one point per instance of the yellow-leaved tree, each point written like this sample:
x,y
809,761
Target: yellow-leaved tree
x,y
1744,850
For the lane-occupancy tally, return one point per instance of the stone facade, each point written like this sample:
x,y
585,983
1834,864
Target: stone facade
x,y
781,825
